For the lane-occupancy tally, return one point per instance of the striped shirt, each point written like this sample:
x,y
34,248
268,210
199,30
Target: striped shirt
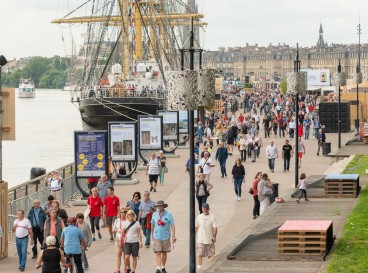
x,y
154,166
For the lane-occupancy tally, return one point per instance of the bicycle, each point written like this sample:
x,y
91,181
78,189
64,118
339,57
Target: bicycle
x,y
72,267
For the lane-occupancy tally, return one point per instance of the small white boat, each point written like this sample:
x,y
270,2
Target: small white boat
x,y
26,88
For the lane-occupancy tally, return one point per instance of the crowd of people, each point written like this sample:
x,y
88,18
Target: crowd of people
x,y
142,221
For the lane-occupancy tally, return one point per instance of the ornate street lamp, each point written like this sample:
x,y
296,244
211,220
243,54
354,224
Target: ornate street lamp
x,y
339,80
297,83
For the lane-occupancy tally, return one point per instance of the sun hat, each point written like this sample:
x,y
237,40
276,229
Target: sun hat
x,y
160,203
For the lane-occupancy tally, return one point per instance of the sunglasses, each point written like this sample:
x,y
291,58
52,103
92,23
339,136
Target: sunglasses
x,y
130,214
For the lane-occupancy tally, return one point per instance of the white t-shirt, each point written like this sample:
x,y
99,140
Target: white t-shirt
x,y
204,164
206,225
23,227
55,183
132,235
118,224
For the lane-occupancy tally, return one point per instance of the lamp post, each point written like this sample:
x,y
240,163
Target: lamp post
x,y
339,106
3,62
296,70
358,79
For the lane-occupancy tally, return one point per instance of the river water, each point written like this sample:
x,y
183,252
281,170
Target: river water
x,y
44,135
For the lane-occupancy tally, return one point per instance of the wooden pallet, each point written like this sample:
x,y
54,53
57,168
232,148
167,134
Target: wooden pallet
x,y
304,237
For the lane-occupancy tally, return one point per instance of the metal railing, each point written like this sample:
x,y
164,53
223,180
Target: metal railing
x,y
36,184
69,192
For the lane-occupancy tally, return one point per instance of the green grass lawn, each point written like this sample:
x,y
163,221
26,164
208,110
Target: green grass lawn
x,y
350,254
358,165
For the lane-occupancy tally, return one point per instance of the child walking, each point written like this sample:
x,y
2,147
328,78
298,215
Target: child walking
x,y
302,185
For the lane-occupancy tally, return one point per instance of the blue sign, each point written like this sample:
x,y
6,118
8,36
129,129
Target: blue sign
x,y
90,153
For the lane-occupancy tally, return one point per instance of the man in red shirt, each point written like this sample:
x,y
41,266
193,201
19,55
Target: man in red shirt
x,y
110,209
241,118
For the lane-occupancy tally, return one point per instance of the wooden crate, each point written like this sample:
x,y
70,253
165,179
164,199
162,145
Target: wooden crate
x,y
302,237
342,185
4,219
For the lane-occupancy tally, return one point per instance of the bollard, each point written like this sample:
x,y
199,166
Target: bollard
x,y
275,192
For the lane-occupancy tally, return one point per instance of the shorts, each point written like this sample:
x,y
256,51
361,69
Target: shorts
x,y
131,249
118,247
300,154
152,178
110,220
161,246
205,250
230,141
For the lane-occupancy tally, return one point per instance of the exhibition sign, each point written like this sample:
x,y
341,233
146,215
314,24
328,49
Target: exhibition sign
x,y
122,141
170,121
90,151
183,122
150,132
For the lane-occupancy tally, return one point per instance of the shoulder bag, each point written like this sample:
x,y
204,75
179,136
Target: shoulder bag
x,y
266,191
124,236
251,191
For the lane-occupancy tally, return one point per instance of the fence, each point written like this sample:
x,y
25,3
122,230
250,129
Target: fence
x,y
68,192
4,220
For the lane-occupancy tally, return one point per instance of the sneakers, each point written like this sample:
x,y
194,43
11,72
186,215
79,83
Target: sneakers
x,y
163,270
147,246
99,236
151,188
154,189
298,201
93,239
34,256
306,199
254,217
128,270
239,198
158,271
117,271
111,239
236,197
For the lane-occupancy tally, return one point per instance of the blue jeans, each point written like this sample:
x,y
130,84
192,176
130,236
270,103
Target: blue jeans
x,y
22,251
162,175
146,232
316,133
271,163
223,167
201,200
237,186
306,133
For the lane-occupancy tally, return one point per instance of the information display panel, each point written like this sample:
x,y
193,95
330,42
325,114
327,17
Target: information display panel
x,y
90,151
150,132
170,121
122,141
183,122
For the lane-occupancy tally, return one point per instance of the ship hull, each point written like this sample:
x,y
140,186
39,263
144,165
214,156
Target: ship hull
x,y
26,94
96,113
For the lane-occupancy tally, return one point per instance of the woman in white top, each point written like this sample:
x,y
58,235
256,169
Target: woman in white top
x,y
132,239
116,229
243,148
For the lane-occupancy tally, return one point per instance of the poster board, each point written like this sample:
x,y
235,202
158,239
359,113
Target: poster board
x,y
183,122
150,132
170,121
90,153
123,141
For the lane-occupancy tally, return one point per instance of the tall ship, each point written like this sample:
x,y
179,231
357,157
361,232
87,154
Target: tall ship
x,y
128,47
26,88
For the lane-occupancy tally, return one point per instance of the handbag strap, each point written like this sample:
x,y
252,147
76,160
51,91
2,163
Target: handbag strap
x,y
131,224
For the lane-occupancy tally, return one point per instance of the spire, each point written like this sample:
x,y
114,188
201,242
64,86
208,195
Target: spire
x,y
320,42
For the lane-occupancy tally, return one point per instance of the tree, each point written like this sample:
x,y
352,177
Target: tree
x,y
283,86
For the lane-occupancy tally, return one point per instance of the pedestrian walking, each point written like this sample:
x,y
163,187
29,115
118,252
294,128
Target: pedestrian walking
x,y
117,228
162,159
95,205
163,233
51,257
292,127
238,173
112,171
243,148
60,212
253,146
102,186
321,140
264,192
307,124
316,127
302,185
202,191
54,225
256,205
37,217
131,240
22,228
221,157
206,230
205,166
287,151
87,235
153,170
110,209
144,209
301,151
272,153
134,203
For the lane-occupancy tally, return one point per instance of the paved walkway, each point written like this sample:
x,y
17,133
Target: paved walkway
x,y
233,216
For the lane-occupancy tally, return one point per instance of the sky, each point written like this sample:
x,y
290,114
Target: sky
x,y
25,28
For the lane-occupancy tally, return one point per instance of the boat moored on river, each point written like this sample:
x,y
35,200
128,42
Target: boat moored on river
x,y
26,88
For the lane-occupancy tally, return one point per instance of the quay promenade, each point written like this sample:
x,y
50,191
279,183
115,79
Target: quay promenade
x,y
233,216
